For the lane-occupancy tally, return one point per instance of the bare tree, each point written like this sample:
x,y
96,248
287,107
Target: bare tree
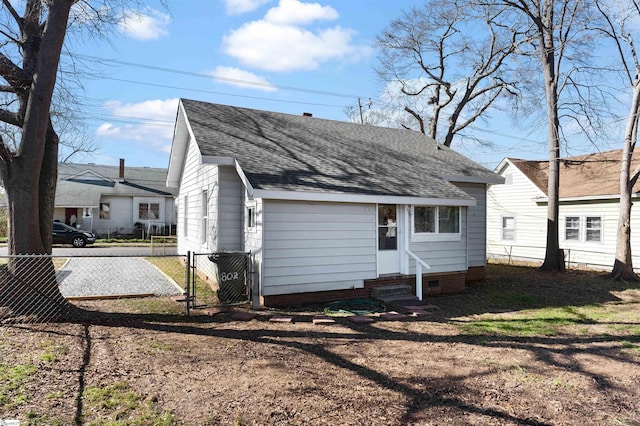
x,y
618,25
560,40
448,63
32,36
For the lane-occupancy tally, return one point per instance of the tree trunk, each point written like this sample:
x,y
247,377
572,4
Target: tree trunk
x,y
623,265
30,286
554,259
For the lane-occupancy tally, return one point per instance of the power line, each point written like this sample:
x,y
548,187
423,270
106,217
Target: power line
x,y
214,77
221,93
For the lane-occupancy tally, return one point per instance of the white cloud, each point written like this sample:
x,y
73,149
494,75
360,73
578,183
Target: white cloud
x,y
236,7
239,78
156,109
294,12
276,47
151,123
150,25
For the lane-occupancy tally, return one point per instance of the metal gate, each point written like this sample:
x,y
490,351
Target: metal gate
x,y
217,279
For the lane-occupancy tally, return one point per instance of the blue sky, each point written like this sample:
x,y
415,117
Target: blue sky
x,y
305,56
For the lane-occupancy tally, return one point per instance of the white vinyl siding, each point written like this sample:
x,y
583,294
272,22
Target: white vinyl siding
x,y
587,230
476,223
443,256
517,198
231,205
195,177
315,246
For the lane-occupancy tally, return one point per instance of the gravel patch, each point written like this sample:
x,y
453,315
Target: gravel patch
x,y
110,276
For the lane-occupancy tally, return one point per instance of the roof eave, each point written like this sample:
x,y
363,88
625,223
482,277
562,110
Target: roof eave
x,y
181,135
584,198
491,180
360,198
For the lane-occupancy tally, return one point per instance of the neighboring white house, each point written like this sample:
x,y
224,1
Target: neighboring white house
x,y
588,219
113,200
328,209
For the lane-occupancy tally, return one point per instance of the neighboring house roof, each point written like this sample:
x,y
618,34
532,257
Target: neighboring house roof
x,y
584,176
82,185
283,152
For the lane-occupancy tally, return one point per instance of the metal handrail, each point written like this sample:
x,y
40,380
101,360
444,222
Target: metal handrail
x,y
419,264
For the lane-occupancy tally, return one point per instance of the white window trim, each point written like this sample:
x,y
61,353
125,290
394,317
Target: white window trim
x,y
564,233
582,229
204,216
515,227
251,205
421,237
185,222
600,241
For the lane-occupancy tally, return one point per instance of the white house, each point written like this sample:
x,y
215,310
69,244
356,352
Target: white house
x,y
328,209
112,200
589,203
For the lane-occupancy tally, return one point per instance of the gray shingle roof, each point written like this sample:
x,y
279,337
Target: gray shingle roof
x,y
286,152
152,178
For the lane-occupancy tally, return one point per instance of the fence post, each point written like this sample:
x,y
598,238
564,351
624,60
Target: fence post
x,y
187,283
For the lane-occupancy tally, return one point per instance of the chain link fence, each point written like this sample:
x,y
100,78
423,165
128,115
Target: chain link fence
x,y
44,288
227,276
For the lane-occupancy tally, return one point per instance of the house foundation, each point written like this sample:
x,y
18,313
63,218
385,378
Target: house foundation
x,y
432,284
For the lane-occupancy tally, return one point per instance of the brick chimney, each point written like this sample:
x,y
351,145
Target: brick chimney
x,y
121,175
307,114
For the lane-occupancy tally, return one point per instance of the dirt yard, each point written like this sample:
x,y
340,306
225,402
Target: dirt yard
x,y
524,348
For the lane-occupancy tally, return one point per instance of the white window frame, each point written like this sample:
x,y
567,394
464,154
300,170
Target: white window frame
x,y
586,229
503,228
204,207
583,231
579,228
436,235
250,217
186,216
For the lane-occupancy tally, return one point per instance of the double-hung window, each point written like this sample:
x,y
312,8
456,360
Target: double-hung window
x,y
572,228
436,223
583,229
593,230
508,228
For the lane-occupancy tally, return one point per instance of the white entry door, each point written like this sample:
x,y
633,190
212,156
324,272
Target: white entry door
x,y
388,247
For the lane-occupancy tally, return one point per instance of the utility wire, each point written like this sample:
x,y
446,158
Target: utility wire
x,y
214,77
220,93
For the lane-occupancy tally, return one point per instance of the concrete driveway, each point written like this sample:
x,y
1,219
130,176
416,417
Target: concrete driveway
x,y
113,276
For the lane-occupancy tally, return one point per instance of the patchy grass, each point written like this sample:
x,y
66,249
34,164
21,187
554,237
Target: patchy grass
x,y
13,379
524,347
173,268
520,301
117,404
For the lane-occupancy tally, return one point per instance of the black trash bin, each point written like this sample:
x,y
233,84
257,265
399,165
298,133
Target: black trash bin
x,y
232,276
